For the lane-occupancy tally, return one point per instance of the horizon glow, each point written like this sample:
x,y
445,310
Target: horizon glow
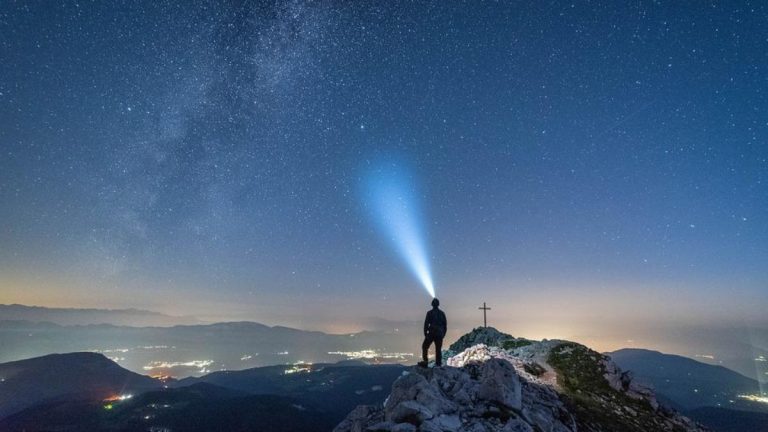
x,y
392,200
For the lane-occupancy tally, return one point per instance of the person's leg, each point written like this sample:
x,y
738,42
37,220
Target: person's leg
x,y
439,352
425,348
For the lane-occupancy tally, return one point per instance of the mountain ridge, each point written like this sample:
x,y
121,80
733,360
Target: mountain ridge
x,y
72,316
92,375
556,381
723,369
265,398
687,383
234,345
518,385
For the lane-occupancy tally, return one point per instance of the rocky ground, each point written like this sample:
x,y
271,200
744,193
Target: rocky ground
x,y
494,382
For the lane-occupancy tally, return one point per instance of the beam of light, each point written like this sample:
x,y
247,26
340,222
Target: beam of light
x,y
394,206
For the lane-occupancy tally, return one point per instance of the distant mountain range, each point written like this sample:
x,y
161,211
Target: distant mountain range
x,y
69,316
706,393
687,383
81,391
88,330
223,362
197,349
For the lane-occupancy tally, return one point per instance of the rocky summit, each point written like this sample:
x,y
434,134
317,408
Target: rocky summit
x,y
518,385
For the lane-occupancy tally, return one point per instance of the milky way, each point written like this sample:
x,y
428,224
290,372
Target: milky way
x,y
204,158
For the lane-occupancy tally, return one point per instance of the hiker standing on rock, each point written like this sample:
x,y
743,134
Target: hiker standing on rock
x,y
435,326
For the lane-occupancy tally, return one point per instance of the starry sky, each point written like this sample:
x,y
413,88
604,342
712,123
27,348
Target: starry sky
x,y
580,165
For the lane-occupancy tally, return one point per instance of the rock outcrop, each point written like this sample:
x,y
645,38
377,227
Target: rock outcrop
x,y
479,396
480,335
551,386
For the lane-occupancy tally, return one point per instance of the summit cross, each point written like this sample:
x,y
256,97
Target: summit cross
x,y
485,318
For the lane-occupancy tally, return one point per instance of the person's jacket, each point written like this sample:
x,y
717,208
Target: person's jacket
x,y
435,323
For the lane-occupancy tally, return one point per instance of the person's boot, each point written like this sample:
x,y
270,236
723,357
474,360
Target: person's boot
x,y
422,364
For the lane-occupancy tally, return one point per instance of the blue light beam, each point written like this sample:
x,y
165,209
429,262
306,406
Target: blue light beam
x,y
395,208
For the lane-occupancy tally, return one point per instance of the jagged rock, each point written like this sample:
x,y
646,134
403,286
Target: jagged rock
x,y
623,381
403,427
474,427
474,354
361,418
490,388
383,427
517,425
500,384
430,426
448,422
409,411
415,387
480,335
481,395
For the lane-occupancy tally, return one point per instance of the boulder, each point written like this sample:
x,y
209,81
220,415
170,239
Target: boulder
x,y
517,425
403,427
409,411
361,418
448,423
415,387
500,384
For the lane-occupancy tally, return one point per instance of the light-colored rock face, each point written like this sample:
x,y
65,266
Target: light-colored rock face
x,y
361,418
488,388
485,395
415,387
499,384
624,381
523,364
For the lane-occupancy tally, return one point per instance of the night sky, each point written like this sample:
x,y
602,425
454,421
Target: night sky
x,y
579,166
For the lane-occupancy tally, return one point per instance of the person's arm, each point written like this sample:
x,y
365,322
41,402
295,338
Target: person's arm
x,y
426,324
445,320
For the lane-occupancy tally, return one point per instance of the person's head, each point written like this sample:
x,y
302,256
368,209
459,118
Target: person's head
x,y
435,302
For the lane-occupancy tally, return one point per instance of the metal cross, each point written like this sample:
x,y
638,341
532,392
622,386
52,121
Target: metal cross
x,y
485,319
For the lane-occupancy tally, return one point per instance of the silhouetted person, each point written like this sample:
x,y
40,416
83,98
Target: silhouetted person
x,y
435,326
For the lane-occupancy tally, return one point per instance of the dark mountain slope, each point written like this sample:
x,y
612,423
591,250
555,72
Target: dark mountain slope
x,y
200,407
685,382
334,388
75,376
730,420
